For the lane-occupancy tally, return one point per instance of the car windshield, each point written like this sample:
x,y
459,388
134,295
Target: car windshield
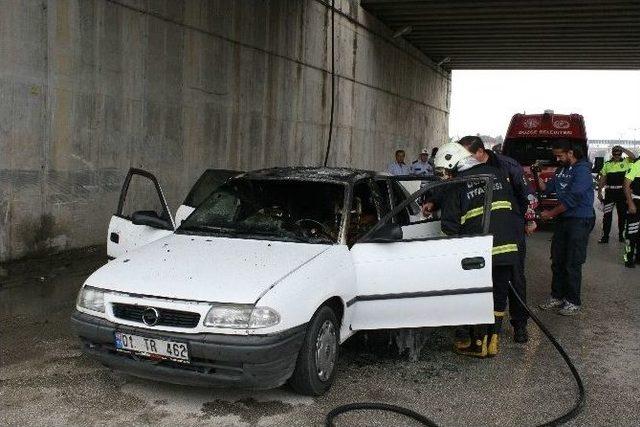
x,y
527,151
301,211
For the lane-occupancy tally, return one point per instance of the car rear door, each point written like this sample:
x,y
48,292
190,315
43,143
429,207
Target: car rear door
x,y
208,182
429,280
141,199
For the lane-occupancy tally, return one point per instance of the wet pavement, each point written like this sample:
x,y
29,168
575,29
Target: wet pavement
x,y
46,380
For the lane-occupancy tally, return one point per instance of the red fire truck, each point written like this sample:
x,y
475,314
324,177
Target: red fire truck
x,y
529,140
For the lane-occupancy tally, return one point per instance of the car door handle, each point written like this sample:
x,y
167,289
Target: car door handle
x,y
114,237
474,263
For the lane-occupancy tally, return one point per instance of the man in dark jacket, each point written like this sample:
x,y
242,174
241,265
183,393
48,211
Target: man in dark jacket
x,y
462,213
575,219
526,202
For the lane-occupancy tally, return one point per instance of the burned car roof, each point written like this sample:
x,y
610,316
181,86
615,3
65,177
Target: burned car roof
x,y
338,175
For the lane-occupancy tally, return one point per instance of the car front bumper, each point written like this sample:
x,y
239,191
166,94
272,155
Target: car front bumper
x,y
250,361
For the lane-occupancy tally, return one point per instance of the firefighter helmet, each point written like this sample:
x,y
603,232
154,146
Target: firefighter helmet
x,y
450,155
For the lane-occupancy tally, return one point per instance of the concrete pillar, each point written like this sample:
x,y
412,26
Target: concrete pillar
x,y
91,88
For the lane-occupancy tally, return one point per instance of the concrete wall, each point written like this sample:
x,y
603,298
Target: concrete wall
x,y
91,88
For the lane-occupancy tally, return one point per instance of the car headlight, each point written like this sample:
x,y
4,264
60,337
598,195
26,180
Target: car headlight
x,y
241,316
91,298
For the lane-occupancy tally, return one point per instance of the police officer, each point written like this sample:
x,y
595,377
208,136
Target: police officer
x,y
399,167
612,181
526,202
575,218
632,195
461,214
421,166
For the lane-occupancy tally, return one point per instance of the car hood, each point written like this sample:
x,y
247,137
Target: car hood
x,y
205,268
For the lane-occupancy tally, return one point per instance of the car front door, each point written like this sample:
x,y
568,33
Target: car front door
x,y
429,280
142,216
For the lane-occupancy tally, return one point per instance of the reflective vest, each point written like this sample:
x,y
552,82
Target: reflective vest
x,y
633,175
614,173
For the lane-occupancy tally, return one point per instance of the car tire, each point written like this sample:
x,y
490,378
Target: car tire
x,y
318,356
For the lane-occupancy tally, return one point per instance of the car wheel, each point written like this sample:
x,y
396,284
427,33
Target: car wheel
x,y
316,365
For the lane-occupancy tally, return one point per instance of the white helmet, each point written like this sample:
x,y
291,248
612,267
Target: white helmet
x,y
450,156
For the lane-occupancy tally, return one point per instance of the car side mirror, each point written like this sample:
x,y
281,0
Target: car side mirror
x,y
386,234
151,219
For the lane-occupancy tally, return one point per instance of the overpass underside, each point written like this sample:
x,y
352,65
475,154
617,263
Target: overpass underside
x,y
563,34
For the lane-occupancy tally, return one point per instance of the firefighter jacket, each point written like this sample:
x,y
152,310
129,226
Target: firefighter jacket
x,y
463,211
522,192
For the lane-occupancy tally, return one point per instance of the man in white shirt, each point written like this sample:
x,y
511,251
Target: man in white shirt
x,y
399,167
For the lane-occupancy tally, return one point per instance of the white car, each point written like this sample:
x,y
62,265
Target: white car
x,y
276,268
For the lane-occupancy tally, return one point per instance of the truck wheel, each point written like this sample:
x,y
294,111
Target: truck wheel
x,y
316,365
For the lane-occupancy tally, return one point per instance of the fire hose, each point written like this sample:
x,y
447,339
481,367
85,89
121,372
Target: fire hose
x,y
572,413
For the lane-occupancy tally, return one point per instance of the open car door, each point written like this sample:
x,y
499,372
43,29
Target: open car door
x,y
208,182
424,278
142,216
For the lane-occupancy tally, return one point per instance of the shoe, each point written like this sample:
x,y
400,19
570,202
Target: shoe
x,y
551,303
477,344
493,343
569,309
462,338
520,334
630,264
603,240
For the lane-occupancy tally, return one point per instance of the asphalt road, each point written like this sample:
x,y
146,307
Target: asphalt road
x,y
46,380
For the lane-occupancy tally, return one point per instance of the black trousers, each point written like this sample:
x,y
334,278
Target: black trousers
x,y
517,312
501,275
614,199
568,253
632,235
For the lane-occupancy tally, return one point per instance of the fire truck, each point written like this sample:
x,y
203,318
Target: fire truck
x,y
529,140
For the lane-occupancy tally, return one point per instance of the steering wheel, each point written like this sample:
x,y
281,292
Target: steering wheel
x,y
318,227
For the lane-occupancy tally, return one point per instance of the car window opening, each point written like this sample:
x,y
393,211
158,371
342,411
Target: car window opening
x,y
309,212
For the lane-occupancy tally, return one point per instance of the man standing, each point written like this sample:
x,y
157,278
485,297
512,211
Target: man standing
x,y
575,218
421,166
399,167
612,181
462,214
526,202
632,195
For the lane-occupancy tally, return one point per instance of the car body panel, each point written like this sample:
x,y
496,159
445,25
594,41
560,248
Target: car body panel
x,y
204,268
393,294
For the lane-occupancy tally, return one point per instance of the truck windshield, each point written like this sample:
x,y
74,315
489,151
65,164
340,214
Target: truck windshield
x,y
528,151
302,211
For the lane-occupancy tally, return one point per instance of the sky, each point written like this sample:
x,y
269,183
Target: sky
x,y
484,101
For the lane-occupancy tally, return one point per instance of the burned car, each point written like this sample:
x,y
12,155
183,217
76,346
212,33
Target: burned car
x,y
272,271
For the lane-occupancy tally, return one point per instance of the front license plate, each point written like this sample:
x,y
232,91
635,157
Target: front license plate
x,y
152,347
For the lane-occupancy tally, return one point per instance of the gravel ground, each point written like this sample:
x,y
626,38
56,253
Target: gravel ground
x,y
45,380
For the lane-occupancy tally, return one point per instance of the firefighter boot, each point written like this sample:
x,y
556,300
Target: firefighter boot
x,y
494,334
462,337
477,344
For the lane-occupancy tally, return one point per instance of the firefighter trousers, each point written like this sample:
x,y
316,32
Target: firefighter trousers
x,y
501,276
614,200
632,236
517,312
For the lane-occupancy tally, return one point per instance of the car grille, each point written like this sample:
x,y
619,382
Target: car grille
x,y
174,318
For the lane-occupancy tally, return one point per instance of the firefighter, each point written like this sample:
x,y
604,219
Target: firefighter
x,y
632,195
526,202
461,214
611,179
